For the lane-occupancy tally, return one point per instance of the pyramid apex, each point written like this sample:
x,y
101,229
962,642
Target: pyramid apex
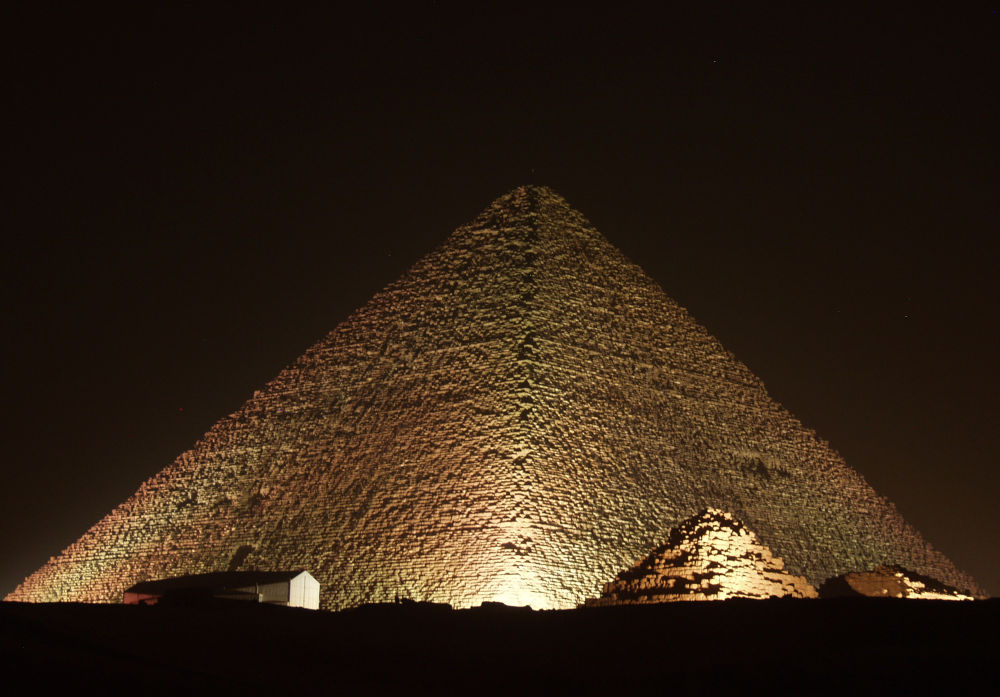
x,y
537,188
531,192
515,213
523,203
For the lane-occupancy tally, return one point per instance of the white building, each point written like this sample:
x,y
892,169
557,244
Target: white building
x,y
290,588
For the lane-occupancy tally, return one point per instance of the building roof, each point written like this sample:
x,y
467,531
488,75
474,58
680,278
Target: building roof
x,y
219,579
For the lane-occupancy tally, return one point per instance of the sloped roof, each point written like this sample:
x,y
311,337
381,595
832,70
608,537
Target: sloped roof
x,y
219,579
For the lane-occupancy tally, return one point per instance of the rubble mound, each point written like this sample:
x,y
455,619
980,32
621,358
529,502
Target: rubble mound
x,y
889,582
710,556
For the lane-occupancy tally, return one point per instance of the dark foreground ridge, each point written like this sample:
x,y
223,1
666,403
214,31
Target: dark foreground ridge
x,y
803,647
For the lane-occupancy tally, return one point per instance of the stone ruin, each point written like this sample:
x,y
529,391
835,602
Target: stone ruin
x,y
711,556
520,416
889,582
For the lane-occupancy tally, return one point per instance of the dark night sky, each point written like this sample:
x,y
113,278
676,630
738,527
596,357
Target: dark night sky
x,y
197,199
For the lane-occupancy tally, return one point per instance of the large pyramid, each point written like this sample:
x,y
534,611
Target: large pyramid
x,y
518,418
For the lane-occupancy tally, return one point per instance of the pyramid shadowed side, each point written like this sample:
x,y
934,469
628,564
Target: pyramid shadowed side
x,y
637,401
520,416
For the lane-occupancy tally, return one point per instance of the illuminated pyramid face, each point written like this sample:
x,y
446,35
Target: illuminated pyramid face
x,y
521,416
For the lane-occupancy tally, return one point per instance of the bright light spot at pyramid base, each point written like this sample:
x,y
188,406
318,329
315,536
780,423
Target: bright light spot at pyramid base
x,y
520,598
516,593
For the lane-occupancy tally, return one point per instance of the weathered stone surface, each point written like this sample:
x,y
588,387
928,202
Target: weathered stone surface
x,y
711,556
520,416
889,582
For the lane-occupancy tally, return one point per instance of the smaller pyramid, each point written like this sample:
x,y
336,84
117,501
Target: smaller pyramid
x,y
889,582
711,556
